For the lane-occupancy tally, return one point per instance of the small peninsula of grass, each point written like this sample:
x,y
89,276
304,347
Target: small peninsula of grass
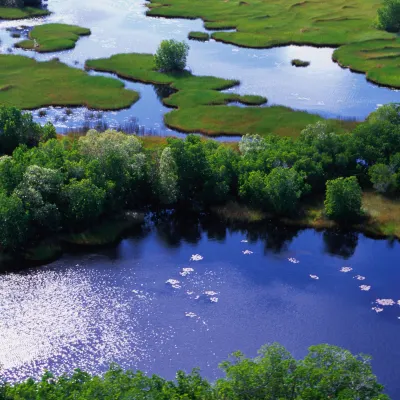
x,y
202,107
200,36
29,84
300,63
260,24
53,37
22,13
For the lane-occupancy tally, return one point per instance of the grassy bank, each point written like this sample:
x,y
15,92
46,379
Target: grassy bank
x,y
28,84
21,13
53,37
277,23
202,107
201,36
382,215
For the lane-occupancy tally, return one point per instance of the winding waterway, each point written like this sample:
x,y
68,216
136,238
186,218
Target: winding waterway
x,y
120,26
118,304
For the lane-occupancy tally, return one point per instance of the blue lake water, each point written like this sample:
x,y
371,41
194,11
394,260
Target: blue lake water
x,y
91,308
120,26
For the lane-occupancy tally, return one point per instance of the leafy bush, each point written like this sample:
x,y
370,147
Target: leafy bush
x,y
343,198
382,177
389,16
171,55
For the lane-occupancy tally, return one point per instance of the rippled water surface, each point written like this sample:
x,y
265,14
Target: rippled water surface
x,y
121,26
135,304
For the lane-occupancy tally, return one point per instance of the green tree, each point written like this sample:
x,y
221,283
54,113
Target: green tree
x,y
171,55
284,187
382,177
253,189
343,199
389,16
168,177
84,201
13,223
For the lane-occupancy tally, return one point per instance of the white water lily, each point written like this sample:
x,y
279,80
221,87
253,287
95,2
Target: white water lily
x,y
293,260
196,257
186,271
346,269
247,252
365,288
172,282
210,293
243,241
214,299
385,302
314,277
359,277
190,314
377,309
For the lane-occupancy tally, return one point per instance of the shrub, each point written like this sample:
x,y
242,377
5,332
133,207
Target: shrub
x,y
171,55
382,177
389,16
343,198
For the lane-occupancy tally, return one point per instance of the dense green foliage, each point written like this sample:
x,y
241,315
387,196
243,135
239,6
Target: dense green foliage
x,y
326,372
71,183
389,15
171,55
343,199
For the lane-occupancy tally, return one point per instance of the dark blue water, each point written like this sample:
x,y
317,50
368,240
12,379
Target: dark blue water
x,y
120,26
89,309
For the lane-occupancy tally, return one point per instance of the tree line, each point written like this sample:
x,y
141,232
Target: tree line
x,y
326,372
50,184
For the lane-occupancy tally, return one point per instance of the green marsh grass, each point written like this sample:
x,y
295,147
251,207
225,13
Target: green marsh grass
x,y
53,37
29,84
22,13
202,107
200,36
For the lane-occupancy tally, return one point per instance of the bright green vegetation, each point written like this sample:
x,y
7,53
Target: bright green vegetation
x,y
171,56
201,36
379,59
261,24
300,63
22,13
28,84
68,185
326,372
201,107
53,37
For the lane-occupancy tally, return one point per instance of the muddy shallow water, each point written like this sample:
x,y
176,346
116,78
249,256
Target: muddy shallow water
x,y
120,26
135,304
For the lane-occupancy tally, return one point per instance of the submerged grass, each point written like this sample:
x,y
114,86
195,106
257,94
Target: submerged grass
x,y
263,24
28,84
21,13
53,37
202,107
300,63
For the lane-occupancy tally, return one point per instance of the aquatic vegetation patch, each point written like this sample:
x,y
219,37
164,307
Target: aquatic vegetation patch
x,y
202,107
346,269
378,59
299,63
200,36
385,302
53,37
365,288
258,24
247,252
196,257
22,13
34,84
360,277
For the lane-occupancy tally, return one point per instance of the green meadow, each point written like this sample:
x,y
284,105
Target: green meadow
x,y
53,37
21,13
200,106
29,84
261,24
201,36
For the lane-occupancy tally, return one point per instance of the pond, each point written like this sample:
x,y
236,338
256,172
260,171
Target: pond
x,y
147,303
120,26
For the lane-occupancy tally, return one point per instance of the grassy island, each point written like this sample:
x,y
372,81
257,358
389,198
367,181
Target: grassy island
x,y
202,107
22,13
277,23
300,63
29,84
201,36
53,37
